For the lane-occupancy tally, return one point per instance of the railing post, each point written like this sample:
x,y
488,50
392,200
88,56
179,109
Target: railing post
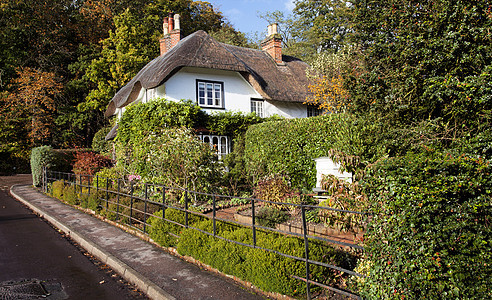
x,y
118,201
145,208
131,202
163,202
186,208
107,194
89,183
213,216
253,221
306,246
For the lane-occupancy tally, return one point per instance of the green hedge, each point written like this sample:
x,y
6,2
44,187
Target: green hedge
x,y
41,157
288,147
430,237
60,160
142,119
266,270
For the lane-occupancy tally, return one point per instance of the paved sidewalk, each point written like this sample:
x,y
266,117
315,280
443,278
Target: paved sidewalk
x,y
158,274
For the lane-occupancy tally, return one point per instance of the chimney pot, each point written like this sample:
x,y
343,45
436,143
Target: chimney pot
x,y
274,27
165,26
176,22
171,22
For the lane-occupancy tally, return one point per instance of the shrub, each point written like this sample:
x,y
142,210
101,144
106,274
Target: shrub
x,y
289,146
99,143
41,157
57,189
70,195
277,189
139,120
346,196
269,271
173,157
269,216
163,232
89,163
430,236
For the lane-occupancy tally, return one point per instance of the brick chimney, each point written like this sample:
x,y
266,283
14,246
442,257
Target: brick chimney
x,y
273,43
172,33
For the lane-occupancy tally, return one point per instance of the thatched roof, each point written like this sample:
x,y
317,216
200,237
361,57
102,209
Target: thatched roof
x,y
284,82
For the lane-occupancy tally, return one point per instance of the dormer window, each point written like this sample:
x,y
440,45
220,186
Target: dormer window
x,y
210,93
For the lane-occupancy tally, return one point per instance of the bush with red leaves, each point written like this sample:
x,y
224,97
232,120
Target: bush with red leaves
x,y
89,163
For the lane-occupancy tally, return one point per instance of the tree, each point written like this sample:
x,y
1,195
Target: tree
x,y
33,103
315,26
134,42
128,48
328,72
322,25
228,35
426,60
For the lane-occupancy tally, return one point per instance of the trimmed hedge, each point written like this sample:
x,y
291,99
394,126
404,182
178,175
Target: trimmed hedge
x,y
41,157
60,160
288,147
430,237
266,270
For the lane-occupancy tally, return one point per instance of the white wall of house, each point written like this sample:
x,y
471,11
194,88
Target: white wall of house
x,y
237,93
285,109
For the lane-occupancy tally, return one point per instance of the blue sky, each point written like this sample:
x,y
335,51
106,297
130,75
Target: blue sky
x,y
243,14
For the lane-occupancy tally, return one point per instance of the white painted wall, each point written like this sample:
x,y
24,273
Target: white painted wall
x,y
326,166
237,92
285,109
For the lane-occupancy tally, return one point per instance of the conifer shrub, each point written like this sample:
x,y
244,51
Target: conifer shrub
x,y
70,195
57,189
41,157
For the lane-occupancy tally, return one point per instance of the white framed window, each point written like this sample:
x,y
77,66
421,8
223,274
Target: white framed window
x,y
210,93
257,107
313,111
220,143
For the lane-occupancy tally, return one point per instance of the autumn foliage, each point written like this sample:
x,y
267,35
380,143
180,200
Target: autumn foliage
x,y
34,102
89,163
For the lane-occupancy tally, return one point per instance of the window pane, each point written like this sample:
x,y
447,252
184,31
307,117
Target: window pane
x,y
218,91
206,139
223,146
209,94
201,93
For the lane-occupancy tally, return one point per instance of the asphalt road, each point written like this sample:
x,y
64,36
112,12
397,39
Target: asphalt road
x,y
32,252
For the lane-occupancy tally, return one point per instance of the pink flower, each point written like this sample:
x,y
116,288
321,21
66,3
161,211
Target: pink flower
x,y
134,177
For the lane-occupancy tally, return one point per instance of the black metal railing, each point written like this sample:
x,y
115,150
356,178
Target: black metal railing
x,y
133,203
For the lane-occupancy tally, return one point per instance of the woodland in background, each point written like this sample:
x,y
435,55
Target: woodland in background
x,y
62,61
419,70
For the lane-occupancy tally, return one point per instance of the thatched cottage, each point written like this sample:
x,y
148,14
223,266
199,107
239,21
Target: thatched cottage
x,y
220,77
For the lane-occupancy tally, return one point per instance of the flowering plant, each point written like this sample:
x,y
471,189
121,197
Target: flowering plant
x,y
134,177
